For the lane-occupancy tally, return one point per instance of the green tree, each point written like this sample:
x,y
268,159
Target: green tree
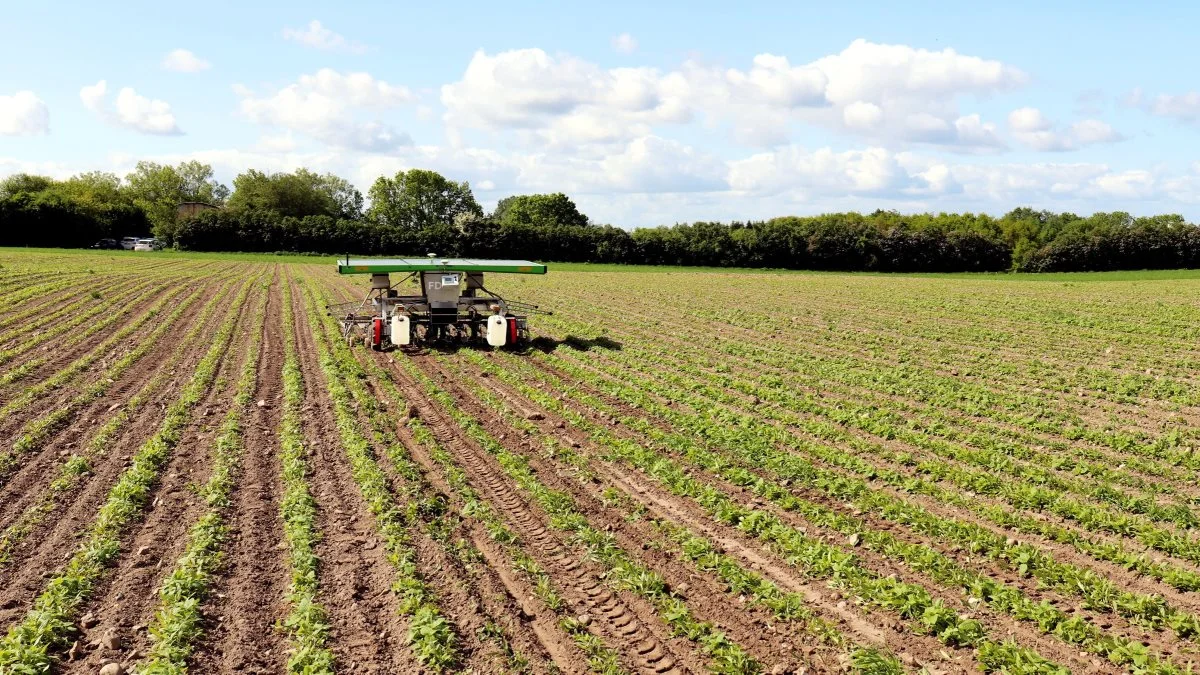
x,y
299,194
158,189
346,198
24,183
418,199
95,189
546,210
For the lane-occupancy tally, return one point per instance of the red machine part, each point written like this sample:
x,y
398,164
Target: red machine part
x,y
512,331
377,333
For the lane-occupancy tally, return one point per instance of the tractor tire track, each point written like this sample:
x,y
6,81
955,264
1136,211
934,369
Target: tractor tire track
x,y
707,596
492,591
998,623
621,625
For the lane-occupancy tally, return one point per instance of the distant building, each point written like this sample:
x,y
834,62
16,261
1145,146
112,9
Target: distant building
x,y
189,209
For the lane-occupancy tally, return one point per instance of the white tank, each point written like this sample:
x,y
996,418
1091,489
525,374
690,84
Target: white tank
x,y
497,330
401,335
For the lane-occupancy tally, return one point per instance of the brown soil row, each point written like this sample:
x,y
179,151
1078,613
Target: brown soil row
x,y
757,337
742,367
368,634
59,397
528,624
622,620
503,594
125,602
20,331
248,599
28,482
753,627
443,568
53,542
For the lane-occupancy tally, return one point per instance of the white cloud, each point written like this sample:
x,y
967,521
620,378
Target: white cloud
x,y
822,172
317,36
883,92
56,170
130,110
862,115
870,71
183,61
1134,98
1087,132
774,81
1028,120
1182,107
1134,185
282,143
23,114
324,105
624,43
1034,130
1185,188
651,181
652,164
564,99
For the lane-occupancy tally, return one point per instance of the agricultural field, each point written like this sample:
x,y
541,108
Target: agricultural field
x,y
688,472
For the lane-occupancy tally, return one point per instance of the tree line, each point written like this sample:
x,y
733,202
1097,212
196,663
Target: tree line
x,y
419,211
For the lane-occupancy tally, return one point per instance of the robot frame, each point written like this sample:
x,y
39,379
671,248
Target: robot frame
x,y
454,306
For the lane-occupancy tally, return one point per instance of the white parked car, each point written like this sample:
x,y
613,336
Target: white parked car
x,y
128,243
147,245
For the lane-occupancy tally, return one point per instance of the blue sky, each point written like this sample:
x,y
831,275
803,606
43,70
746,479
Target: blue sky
x,y
645,113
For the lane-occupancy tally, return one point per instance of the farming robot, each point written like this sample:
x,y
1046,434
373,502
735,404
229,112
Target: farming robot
x,y
453,306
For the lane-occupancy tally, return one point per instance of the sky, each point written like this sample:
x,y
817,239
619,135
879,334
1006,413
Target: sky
x,y
644,113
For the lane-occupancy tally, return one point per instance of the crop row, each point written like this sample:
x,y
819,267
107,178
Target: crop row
x,y
882,357
306,620
786,607
818,559
753,448
27,646
78,465
34,434
848,394
33,319
776,404
430,635
62,336
565,516
814,368
726,465
80,365
601,658
177,623
623,571
758,446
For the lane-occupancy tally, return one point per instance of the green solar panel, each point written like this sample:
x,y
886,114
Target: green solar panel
x,y
386,265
